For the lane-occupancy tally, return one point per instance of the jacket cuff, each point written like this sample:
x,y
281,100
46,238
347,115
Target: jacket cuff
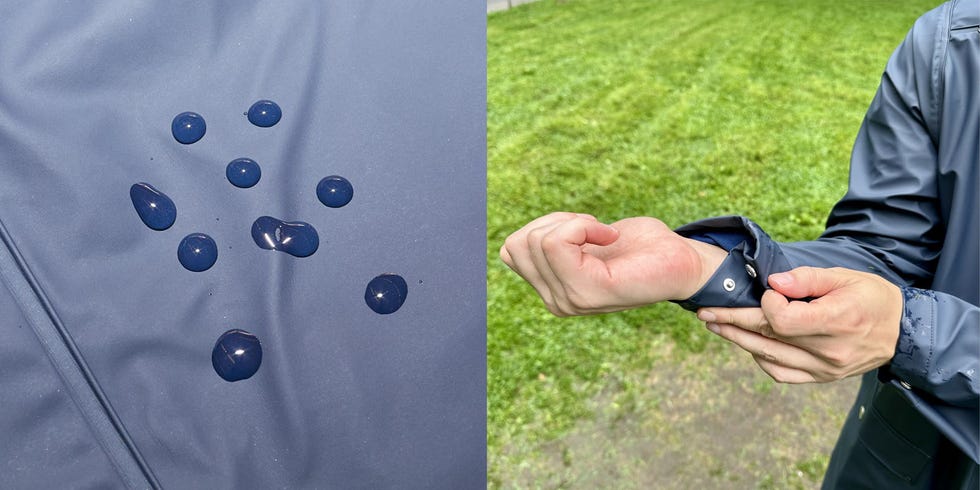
x,y
913,352
742,278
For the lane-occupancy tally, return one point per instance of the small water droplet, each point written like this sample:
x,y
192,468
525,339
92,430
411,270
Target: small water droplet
x,y
188,127
243,172
154,208
197,252
264,113
295,238
334,191
237,355
386,293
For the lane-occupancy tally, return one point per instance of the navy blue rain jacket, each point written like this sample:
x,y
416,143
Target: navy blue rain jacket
x,y
912,215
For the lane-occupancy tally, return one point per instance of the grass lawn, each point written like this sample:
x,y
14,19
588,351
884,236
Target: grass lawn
x,y
679,110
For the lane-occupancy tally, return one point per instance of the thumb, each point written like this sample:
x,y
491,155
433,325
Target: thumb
x,y
807,282
600,234
563,246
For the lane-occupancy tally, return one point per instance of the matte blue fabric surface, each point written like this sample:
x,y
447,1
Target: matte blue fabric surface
x,y
391,96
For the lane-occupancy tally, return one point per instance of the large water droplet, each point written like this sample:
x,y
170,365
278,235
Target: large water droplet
x,y
243,172
153,207
197,252
188,127
237,355
334,191
264,113
296,238
386,293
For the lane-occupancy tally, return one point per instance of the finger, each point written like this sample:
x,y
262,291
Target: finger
x,y
770,350
752,319
808,282
783,374
517,254
795,319
520,234
537,254
580,280
545,220
505,257
563,248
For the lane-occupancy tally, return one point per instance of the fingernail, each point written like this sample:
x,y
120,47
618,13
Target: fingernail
x,y
781,279
706,316
713,327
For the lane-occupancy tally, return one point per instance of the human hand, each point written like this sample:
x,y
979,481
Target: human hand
x,y
581,266
850,328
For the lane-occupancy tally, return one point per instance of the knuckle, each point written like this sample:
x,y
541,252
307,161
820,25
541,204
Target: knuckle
x,y
511,244
535,235
837,358
554,309
779,321
577,301
731,318
550,242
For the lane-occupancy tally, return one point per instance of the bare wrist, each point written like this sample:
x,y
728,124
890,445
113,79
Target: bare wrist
x,y
711,257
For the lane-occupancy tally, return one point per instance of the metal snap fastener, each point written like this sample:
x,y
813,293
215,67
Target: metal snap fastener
x,y
729,284
861,412
905,384
750,270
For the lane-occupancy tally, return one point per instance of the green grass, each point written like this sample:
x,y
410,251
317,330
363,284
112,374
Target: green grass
x,y
679,110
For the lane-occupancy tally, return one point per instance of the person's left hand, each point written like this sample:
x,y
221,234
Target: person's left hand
x,y
851,326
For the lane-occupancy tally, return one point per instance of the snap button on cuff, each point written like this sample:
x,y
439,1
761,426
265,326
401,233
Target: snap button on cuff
x,y
728,284
750,270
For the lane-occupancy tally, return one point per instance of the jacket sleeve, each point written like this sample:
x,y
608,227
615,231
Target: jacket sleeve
x,y
888,223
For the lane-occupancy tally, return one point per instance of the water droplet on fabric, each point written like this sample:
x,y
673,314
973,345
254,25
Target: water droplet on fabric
x,y
264,113
154,208
295,238
197,252
334,191
243,172
188,127
237,355
386,293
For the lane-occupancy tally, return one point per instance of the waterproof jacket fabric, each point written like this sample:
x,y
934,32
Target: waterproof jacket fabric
x,y
912,215
106,377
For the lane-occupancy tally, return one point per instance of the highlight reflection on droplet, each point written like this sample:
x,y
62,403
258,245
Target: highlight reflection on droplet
x,y
197,252
295,238
264,113
237,355
188,127
154,208
243,172
334,191
386,293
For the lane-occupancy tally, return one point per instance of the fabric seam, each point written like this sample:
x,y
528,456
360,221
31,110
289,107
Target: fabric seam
x,y
61,350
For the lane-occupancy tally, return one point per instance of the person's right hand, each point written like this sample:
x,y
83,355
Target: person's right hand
x,y
580,266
